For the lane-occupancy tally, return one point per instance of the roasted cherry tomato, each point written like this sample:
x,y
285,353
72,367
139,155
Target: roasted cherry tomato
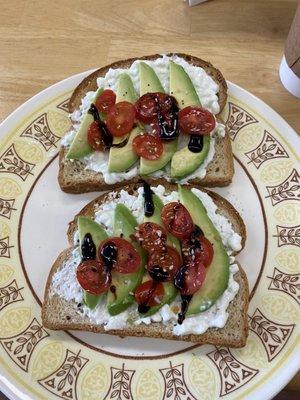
x,y
106,100
127,259
151,236
148,147
177,220
94,137
163,264
93,277
190,278
148,105
199,248
120,118
149,293
195,120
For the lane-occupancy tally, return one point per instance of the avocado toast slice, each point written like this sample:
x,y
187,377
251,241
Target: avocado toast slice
x,y
57,313
74,177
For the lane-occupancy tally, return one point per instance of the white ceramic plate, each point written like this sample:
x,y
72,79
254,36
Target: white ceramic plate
x,y
34,214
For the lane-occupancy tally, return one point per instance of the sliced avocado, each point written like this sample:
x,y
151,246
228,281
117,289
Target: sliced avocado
x,y
149,82
125,284
91,300
217,274
169,288
87,225
80,146
181,86
184,161
122,158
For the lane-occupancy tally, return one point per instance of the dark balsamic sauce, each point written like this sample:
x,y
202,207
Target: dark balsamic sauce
x,y
113,289
185,299
143,308
168,131
88,248
109,255
196,143
106,136
158,274
148,204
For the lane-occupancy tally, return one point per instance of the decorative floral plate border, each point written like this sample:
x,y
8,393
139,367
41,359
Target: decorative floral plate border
x,y
37,363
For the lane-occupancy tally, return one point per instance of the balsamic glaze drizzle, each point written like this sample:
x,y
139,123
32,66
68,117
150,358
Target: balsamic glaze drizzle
x,y
158,274
185,301
88,248
143,308
148,204
168,132
106,135
109,255
196,143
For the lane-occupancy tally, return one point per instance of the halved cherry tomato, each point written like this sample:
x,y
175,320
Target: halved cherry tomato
x,y
177,220
164,264
151,236
94,137
196,121
148,147
120,118
149,293
93,277
198,248
127,259
190,278
148,105
106,100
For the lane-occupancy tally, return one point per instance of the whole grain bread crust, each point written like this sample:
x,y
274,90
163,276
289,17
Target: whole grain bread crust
x,y
58,314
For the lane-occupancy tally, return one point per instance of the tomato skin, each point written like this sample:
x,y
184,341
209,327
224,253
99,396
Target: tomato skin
x,y
106,100
147,106
165,262
94,137
127,259
177,220
149,293
148,147
151,236
199,248
194,120
93,277
190,278
120,118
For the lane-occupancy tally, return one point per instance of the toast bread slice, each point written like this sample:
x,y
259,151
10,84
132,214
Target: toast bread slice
x,y
74,178
59,314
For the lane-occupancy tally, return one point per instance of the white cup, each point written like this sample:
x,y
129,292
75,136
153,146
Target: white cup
x,y
289,79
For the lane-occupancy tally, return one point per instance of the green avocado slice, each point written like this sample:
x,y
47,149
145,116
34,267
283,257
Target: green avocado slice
x,y
149,82
80,146
169,288
184,161
217,274
125,284
122,158
86,225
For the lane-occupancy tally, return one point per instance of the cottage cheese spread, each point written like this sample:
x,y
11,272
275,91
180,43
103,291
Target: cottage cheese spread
x,y
206,88
65,283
